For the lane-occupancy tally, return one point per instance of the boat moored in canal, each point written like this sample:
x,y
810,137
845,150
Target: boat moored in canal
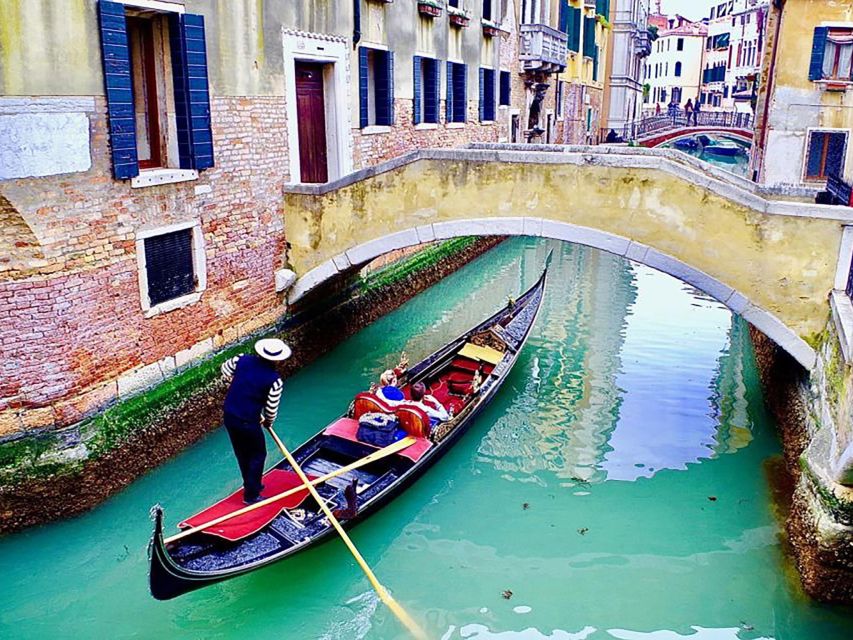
x,y
358,478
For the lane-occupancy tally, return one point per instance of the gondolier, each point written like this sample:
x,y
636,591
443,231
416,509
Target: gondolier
x,y
252,403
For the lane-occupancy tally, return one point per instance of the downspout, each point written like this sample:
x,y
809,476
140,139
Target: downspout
x,y
771,76
356,22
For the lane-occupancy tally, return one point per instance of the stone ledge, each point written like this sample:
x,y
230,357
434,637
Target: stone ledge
x,y
670,161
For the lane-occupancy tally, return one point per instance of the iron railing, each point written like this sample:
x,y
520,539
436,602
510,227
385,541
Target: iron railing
x,y
652,125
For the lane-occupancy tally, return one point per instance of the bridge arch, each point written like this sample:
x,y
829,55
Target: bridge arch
x,y
737,302
656,140
773,263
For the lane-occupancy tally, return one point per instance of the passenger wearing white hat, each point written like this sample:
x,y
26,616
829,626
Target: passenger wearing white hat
x,y
252,403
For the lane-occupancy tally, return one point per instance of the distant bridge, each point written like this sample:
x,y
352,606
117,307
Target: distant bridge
x,y
772,262
654,131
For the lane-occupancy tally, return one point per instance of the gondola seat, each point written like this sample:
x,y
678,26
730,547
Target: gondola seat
x,y
413,420
347,428
369,403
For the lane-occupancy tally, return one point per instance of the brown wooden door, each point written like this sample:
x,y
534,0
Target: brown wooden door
x,y
311,113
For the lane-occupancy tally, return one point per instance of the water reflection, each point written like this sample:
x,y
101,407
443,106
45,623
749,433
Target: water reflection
x,y
729,152
631,374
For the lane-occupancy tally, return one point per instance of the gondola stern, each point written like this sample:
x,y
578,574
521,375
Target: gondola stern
x,y
163,583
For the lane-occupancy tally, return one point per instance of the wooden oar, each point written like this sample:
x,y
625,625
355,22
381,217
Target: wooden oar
x,y
373,457
392,604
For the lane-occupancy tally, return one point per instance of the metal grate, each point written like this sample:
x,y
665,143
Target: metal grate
x,y
169,266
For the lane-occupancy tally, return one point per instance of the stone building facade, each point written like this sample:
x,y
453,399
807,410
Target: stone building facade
x,y
629,46
673,69
144,145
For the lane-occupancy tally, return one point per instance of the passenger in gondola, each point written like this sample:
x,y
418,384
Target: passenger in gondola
x,y
388,390
250,405
428,404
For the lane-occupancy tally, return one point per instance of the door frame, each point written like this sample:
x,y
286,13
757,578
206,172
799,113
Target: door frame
x,y
333,53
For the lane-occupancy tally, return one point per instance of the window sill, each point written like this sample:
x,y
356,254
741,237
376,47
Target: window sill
x,y
426,126
154,177
373,129
835,85
174,303
487,122
455,125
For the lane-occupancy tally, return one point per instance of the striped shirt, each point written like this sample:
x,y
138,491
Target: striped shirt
x,y
273,397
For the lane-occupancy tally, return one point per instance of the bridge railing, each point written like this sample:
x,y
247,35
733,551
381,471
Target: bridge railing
x,y
679,119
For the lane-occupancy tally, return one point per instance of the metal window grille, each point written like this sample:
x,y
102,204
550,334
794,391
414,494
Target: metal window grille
x,y
169,266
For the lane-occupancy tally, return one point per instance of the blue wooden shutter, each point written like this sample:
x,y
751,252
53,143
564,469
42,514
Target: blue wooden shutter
x,y
389,70
462,97
505,88
448,102
115,54
589,37
431,78
192,91
482,94
564,16
417,80
818,48
363,107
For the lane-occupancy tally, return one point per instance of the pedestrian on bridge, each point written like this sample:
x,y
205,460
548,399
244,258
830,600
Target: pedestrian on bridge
x,y
688,110
250,405
697,108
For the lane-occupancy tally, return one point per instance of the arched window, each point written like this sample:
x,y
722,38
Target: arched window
x,y
677,69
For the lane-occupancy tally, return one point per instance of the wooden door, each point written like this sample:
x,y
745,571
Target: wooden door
x,y
311,114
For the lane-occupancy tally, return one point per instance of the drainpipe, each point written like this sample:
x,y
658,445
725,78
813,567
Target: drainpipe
x,y
757,170
356,22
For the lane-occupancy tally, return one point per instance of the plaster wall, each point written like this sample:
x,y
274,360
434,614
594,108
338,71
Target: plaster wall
x,y
781,264
798,104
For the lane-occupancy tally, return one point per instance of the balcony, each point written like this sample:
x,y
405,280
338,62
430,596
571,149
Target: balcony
x,y
642,43
542,48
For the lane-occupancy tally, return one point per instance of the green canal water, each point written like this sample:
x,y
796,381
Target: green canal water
x,y
617,486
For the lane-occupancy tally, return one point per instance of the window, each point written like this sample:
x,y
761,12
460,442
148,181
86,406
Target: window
x,y
172,270
158,101
457,98
505,89
487,9
560,90
826,151
832,51
663,95
453,3
678,69
426,77
487,95
589,37
680,44
375,87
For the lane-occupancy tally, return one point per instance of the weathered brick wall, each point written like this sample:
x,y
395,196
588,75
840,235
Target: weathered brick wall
x,y
372,148
73,322
73,335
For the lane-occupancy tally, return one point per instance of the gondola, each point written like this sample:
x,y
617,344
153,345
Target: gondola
x,y
464,375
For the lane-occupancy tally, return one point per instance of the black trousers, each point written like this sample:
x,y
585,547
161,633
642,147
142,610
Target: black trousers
x,y
250,447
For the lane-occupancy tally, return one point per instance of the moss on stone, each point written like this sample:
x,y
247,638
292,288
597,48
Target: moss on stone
x,y
21,459
841,510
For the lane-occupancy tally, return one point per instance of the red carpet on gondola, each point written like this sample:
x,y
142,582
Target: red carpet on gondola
x,y
275,481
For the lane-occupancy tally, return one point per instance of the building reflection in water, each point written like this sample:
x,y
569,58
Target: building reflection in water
x,y
628,372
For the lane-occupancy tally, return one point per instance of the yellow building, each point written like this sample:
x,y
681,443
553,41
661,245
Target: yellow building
x,y
580,87
805,105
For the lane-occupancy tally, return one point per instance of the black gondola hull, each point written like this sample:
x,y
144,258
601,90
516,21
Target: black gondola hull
x,y
167,579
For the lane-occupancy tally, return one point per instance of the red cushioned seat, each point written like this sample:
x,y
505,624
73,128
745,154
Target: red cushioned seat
x,y
465,364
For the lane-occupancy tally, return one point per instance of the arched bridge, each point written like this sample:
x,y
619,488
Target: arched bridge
x,y
653,131
657,139
772,262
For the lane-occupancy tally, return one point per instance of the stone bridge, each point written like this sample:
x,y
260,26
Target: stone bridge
x,y
656,139
773,262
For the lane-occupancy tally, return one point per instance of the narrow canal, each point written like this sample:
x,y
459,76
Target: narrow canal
x,y
617,487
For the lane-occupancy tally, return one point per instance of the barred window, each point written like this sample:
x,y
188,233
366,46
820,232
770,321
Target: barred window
x,y
169,266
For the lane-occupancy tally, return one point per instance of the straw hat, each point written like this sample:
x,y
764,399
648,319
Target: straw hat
x,y
272,349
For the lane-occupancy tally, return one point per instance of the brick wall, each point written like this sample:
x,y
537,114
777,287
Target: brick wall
x,y
74,336
373,148
73,321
